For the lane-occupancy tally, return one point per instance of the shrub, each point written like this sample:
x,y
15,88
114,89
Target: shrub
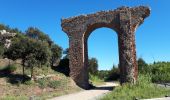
x,y
160,72
47,82
54,84
29,82
161,78
9,69
114,74
95,79
42,82
142,90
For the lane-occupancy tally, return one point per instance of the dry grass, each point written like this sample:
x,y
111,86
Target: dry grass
x,y
23,91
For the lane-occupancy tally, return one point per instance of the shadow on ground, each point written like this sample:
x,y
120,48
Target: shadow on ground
x,y
14,78
110,88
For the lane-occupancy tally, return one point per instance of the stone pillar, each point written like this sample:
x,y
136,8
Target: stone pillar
x,y
77,63
127,49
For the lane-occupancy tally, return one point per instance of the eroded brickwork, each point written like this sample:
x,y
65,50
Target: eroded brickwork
x,y
124,21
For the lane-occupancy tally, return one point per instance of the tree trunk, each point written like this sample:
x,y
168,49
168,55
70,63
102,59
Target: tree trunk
x,y
23,67
32,73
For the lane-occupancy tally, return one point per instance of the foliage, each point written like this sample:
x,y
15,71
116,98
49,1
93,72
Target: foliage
x,y
103,74
93,66
56,53
35,33
94,79
109,75
29,82
42,82
8,29
54,84
142,66
5,27
12,97
142,90
31,51
114,74
160,72
9,69
47,82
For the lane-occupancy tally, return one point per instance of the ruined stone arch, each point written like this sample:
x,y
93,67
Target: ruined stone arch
x,y
123,21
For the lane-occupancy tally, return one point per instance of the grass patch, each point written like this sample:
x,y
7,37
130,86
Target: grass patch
x,y
144,89
95,80
9,69
54,84
47,82
42,82
14,98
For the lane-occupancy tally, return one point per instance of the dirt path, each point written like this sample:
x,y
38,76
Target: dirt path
x,y
89,94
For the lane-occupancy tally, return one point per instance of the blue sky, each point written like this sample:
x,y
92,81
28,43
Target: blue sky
x,y
152,37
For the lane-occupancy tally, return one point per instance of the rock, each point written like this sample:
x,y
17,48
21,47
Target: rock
x,y
5,38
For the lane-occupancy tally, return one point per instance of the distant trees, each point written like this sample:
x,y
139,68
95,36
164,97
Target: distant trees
x,y
142,66
93,66
114,74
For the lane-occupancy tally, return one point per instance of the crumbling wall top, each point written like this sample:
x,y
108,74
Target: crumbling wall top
x,y
80,23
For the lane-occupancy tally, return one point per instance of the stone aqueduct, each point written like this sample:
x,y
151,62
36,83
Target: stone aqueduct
x,y
123,21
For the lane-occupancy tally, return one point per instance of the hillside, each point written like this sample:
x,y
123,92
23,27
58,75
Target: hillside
x,y
47,84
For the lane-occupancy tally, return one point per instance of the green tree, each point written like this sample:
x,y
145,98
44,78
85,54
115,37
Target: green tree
x,y
113,74
18,50
142,65
35,33
31,62
93,66
31,51
56,53
4,27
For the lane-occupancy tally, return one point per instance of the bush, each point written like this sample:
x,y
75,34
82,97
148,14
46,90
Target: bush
x,y
114,74
9,69
161,78
42,82
160,72
29,82
144,89
95,79
54,84
103,74
47,82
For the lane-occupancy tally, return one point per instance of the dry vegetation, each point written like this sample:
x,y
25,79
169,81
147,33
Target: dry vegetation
x,y
47,84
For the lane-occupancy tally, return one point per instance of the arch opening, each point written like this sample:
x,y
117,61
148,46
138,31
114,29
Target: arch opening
x,y
102,45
